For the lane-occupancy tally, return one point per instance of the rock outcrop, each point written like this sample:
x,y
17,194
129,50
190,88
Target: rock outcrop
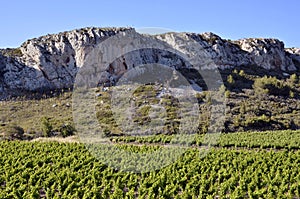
x,y
52,61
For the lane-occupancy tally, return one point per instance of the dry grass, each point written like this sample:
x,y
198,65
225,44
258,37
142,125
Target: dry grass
x,y
70,139
28,113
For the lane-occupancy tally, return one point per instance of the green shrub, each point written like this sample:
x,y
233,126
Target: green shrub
x,y
67,130
47,127
242,73
227,94
292,81
271,86
259,121
293,78
13,52
230,79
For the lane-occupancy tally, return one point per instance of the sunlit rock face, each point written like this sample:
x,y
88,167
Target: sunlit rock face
x,y
52,61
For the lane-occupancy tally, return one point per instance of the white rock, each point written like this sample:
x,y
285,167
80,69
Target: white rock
x,y
52,61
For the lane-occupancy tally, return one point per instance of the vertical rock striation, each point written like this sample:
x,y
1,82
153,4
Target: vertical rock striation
x,y
52,61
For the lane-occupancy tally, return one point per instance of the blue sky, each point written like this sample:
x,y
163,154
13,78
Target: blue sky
x,y
231,19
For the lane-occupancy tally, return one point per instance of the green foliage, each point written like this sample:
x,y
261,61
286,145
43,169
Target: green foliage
x,y
27,113
227,94
242,73
58,170
286,139
293,80
277,99
260,120
230,79
271,86
13,52
47,127
67,130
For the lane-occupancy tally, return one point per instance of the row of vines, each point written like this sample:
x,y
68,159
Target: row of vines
x,y
68,170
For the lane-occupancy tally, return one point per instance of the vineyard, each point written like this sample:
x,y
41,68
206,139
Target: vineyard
x,y
285,139
263,169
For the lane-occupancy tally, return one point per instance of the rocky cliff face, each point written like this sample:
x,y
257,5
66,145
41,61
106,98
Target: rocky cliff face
x,y
49,62
52,61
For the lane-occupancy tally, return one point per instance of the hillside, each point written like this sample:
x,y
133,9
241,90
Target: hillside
x,y
261,79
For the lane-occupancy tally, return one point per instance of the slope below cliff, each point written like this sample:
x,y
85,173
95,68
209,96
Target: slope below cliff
x,y
261,78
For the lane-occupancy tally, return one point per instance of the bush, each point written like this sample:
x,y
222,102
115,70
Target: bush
x,y
242,73
271,86
259,122
13,52
230,79
13,132
227,94
46,127
67,130
293,81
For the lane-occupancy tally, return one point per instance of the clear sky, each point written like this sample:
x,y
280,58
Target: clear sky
x,y
231,19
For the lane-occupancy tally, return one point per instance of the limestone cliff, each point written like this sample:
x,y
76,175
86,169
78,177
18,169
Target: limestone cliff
x,y
52,61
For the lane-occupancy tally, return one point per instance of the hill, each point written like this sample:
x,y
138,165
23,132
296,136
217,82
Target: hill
x,y
260,77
